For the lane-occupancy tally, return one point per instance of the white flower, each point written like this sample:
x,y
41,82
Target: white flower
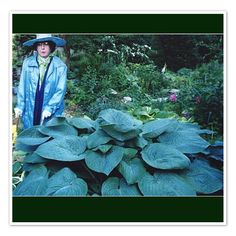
x,y
164,69
112,91
163,99
127,99
174,90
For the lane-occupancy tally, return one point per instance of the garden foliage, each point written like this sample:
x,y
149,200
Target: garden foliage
x,y
102,69
118,155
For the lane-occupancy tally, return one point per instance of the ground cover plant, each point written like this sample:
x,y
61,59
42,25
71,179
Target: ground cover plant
x,y
118,155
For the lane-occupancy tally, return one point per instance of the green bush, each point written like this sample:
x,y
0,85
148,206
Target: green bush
x,y
117,155
201,94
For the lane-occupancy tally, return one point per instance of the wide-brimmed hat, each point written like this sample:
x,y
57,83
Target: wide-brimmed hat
x,y
44,38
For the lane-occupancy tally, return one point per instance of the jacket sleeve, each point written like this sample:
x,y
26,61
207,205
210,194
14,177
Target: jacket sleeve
x,y
58,97
21,88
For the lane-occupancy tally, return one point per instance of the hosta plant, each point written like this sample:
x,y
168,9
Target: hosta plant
x,y
117,155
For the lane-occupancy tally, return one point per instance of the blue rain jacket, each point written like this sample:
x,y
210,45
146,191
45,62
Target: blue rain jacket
x,y
54,92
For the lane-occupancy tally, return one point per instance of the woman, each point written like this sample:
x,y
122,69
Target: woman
x,y
42,83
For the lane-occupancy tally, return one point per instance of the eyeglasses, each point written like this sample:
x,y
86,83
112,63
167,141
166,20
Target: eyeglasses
x,y
42,44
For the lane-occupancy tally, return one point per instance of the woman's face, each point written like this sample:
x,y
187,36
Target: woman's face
x,y
43,49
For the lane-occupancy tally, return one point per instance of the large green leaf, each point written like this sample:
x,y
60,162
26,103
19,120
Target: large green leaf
x,y
163,156
193,127
103,148
132,169
66,183
114,186
97,138
137,142
34,184
82,123
188,126
140,141
25,148
122,122
34,158
120,136
204,178
184,141
57,131
32,137
130,153
104,163
66,148
59,120
154,128
164,183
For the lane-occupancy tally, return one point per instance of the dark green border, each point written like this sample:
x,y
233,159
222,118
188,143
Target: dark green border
x,y
119,209
117,23
106,209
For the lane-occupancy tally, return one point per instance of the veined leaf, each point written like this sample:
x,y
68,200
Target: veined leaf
x,y
34,158
130,153
66,183
204,178
154,128
141,142
97,138
120,136
164,183
122,122
57,131
193,128
104,163
66,148
55,121
163,156
34,184
25,148
32,137
184,141
103,148
82,123
114,186
132,170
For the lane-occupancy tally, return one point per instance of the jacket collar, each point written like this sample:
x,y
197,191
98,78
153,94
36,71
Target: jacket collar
x,y
33,62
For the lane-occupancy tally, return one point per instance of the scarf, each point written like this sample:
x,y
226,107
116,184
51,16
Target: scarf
x,y
43,63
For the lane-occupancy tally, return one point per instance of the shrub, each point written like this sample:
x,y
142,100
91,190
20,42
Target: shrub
x,y
116,155
201,93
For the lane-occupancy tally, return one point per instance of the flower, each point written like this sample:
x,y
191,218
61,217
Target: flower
x,y
112,91
173,97
174,91
163,99
127,99
164,69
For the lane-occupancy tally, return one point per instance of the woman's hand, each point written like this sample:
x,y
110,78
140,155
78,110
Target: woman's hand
x,y
45,114
18,112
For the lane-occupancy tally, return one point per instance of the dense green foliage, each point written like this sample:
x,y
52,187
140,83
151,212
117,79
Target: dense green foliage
x,y
117,155
152,147
103,69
